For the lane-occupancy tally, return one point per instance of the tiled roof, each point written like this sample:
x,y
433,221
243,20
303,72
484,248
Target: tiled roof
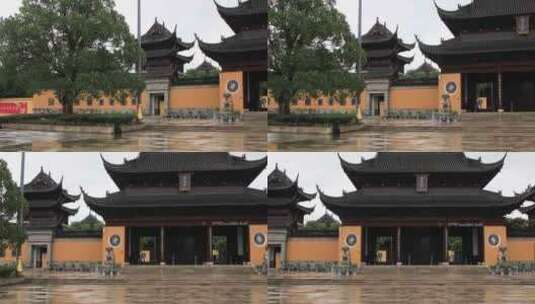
x,y
148,162
490,8
420,162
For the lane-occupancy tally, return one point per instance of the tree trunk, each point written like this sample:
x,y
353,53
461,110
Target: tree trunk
x,y
68,108
284,106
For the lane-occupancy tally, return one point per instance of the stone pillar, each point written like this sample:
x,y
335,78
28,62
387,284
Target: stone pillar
x,y
162,245
128,255
446,260
283,253
500,91
398,246
210,257
365,244
49,253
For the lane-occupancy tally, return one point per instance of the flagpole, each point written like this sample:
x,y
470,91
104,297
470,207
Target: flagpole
x,y
140,58
360,34
20,216
359,68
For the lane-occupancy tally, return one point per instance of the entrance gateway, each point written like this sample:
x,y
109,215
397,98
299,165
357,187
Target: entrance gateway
x,y
494,60
423,209
184,209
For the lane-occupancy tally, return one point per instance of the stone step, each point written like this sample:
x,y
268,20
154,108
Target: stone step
x,y
426,270
197,270
254,116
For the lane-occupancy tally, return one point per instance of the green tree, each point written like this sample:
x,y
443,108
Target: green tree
x,y
90,223
424,71
204,70
11,84
10,204
77,49
325,223
311,52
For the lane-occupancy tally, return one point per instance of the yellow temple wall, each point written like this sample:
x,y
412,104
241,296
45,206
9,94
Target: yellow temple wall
x,y
492,252
419,98
317,249
455,98
355,251
81,250
119,251
257,252
9,258
194,96
521,249
314,106
401,97
237,97
47,100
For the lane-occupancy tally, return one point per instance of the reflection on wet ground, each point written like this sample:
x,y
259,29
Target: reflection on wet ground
x,y
144,285
157,136
476,132
241,285
409,294
403,285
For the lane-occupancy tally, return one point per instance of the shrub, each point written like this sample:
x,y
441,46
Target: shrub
x,y
7,270
313,119
75,119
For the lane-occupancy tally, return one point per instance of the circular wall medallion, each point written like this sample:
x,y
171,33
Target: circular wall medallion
x,y
451,87
115,240
233,86
351,240
494,240
260,239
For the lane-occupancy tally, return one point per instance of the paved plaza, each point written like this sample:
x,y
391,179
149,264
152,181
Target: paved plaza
x,y
158,136
475,132
235,284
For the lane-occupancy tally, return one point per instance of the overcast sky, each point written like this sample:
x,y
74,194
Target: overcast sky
x,y
414,17
191,16
86,170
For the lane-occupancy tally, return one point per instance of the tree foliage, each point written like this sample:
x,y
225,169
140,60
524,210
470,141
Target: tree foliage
x,y
11,82
90,223
325,223
311,52
205,70
11,201
77,49
425,71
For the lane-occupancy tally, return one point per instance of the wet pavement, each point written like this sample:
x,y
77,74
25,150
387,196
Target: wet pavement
x,y
476,132
143,285
241,285
159,136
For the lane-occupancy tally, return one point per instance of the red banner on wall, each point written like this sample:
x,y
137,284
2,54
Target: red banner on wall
x,y
13,107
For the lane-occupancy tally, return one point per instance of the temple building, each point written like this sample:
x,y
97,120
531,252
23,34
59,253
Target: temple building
x,y
184,208
384,64
286,214
491,58
243,57
46,217
424,209
163,64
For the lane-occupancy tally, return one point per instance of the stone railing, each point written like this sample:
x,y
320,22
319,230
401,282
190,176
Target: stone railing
x,y
513,268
